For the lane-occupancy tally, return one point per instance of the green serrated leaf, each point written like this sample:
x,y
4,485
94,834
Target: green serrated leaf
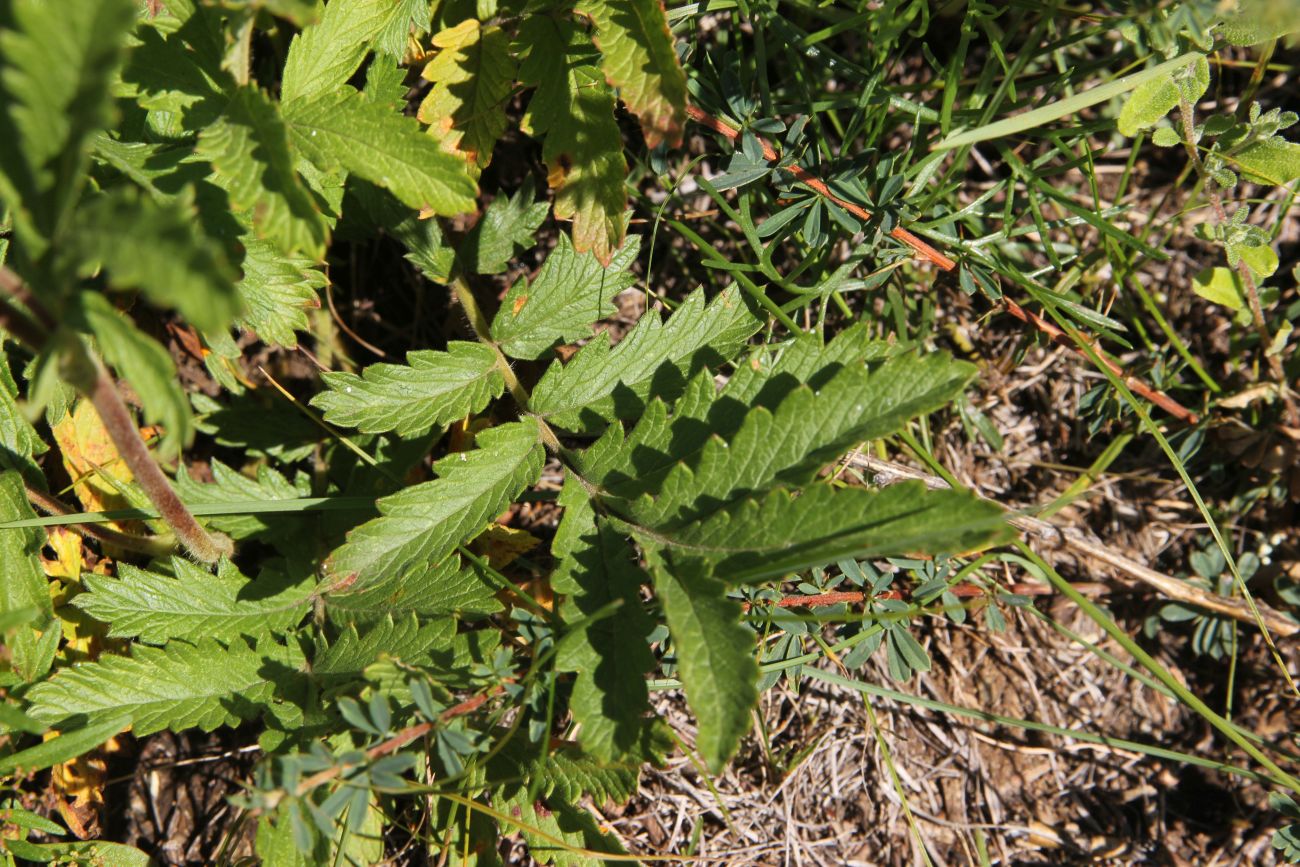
x,y
277,290
778,533
448,589
422,525
1154,99
507,223
143,363
229,486
473,76
432,388
609,654
1273,161
56,63
155,247
342,129
637,57
402,638
719,449
179,686
19,442
714,653
325,55
573,109
192,603
571,292
600,383
248,147
23,586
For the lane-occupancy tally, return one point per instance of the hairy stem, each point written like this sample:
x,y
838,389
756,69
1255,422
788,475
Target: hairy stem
x,y
483,331
152,546
1249,288
89,376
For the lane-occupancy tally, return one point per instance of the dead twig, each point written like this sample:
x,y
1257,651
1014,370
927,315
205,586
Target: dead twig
x,y
888,472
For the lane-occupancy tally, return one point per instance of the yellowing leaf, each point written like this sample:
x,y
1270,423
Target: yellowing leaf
x,y
638,58
91,459
473,76
573,109
504,545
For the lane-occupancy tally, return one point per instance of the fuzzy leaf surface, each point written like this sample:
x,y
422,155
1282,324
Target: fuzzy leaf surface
x,y
1273,161
571,292
573,109
248,148
179,686
403,638
422,525
715,654
637,57
190,604
22,580
343,129
432,388
473,76
1149,102
600,383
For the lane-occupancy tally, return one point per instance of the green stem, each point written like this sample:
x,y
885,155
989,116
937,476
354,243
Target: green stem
x,y
483,331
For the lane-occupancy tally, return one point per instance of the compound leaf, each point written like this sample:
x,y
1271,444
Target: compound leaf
x,y
248,147
609,652
432,388
277,290
507,223
714,653
473,75
325,55
774,534
573,109
446,589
